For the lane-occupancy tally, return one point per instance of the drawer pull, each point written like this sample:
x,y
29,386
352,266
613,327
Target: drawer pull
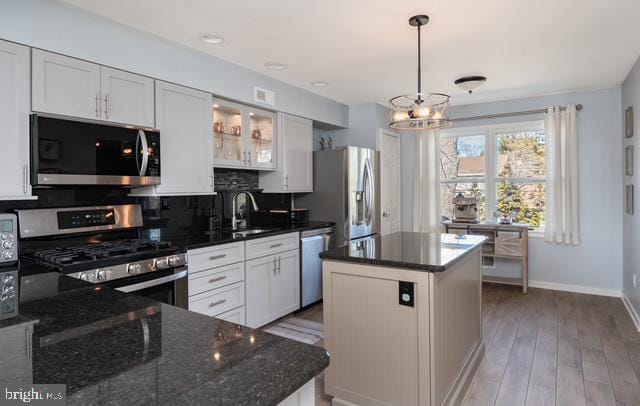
x,y
219,278
213,258
219,302
275,245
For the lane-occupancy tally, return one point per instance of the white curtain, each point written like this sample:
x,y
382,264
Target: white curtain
x,y
562,216
426,183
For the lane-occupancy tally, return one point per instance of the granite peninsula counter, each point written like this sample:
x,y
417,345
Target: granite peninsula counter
x,y
116,348
403,318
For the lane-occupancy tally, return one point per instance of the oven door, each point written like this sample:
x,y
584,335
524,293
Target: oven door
x,y
168,286
69,152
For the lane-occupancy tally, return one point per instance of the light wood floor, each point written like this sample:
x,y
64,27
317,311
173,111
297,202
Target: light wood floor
x,y
549,348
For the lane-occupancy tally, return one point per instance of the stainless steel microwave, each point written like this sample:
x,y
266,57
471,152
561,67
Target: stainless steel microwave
x,y
71,152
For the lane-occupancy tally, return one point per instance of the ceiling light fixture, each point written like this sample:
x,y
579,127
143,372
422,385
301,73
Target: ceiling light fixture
x,y
320,83
275,65
212,39
470,83
422,111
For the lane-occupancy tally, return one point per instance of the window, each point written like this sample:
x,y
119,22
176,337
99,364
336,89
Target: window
x,y
504,167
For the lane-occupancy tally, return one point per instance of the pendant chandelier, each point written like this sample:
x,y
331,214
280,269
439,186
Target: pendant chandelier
x,y
422,111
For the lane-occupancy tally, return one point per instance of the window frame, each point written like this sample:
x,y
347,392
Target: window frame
x,y
491,178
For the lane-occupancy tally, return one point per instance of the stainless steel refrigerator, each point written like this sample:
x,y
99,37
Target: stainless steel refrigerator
x,y
345,191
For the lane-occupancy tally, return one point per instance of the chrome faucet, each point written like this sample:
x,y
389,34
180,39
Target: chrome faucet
x,y
234,221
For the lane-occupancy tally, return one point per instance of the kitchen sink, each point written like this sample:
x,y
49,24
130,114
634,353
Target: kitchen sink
x,y
244,233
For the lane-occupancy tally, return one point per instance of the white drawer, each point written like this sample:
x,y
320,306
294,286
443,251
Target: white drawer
x,y
218,301
215,278
234,316
261,247
218,255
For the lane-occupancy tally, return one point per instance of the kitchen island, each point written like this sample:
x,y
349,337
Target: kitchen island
x,y
111,347
403,320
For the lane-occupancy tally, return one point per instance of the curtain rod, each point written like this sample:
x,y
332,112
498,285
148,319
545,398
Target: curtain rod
x,y
515,113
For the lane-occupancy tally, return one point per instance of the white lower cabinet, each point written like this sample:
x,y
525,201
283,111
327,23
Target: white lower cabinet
x,y
216,286
305,396
273,287
234,316
219,300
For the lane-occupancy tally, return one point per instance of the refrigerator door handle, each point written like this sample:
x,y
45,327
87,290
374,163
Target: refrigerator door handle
x,y
369,190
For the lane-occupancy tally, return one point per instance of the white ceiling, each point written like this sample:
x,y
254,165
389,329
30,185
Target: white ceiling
x,y
366,50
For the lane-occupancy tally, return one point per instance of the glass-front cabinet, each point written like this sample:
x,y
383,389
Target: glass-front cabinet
x,y
244,137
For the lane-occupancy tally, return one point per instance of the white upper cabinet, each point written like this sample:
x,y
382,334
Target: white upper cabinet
x,y
66,86
14,121
244,137
295,152
184,119
75,88
126,97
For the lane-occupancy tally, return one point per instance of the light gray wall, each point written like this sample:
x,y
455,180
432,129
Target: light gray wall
x,y
597,262
631,97
61,28
365,122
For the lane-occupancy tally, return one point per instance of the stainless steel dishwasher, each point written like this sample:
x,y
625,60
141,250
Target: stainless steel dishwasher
x,y
312,243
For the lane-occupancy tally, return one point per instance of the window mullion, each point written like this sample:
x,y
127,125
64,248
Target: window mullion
x,y
492,172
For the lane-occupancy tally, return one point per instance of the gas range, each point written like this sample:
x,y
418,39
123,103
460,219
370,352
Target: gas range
x,y
110,252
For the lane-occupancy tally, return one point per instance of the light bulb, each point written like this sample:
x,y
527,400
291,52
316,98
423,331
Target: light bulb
x,y
437,115
422,112
400,115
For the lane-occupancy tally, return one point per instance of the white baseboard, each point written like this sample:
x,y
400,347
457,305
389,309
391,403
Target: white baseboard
x,y
574,288
632,311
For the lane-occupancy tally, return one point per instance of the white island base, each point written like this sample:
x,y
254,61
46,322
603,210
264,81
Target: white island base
x,y
384,353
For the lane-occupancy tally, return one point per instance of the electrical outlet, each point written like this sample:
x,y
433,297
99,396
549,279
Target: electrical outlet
x,y
634,281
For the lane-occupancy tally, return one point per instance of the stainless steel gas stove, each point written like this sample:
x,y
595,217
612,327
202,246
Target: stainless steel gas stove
x,y
101,245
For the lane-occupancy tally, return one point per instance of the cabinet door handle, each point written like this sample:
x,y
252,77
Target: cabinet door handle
x,y
219,302
274,265
106,106
244,157
98,104
286,181
213,258
249,154
275,245
25,178
219,278
279,264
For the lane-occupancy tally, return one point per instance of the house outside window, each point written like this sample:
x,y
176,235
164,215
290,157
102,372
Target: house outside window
x,y
504,166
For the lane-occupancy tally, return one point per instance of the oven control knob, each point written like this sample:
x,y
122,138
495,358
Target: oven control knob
x,y
7,244
8,289
162,263
83,276
3,236
7,279
134,268
174,261
103,274
7,254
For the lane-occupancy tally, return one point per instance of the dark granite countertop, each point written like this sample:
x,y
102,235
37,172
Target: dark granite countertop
x,y
199,239
416,251
110,347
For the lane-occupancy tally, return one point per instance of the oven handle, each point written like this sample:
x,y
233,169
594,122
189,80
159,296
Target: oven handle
x,y
154,282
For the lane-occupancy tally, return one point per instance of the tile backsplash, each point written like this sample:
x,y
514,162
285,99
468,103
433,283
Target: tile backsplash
x,y
177,213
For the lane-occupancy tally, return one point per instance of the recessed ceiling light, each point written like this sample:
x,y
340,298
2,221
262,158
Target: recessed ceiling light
x,y
211,39
275,65
320,83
